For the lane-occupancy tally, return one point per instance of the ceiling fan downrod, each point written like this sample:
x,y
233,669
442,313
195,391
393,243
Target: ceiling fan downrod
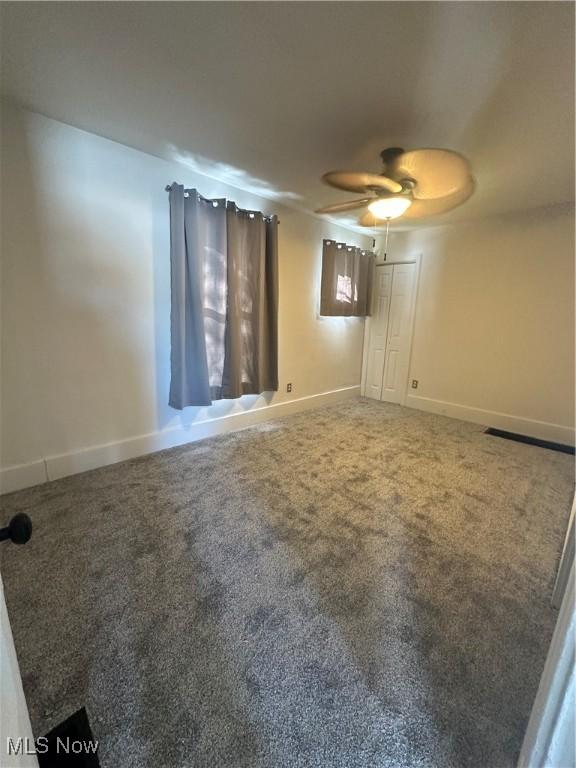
x,y
390,154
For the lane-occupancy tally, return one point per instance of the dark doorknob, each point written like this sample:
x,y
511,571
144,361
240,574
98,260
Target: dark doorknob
x,y
18,530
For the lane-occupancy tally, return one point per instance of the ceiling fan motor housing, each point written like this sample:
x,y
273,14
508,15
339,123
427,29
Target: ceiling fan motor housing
x,y
408,185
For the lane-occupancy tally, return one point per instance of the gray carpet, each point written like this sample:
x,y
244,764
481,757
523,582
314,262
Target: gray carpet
x,y
361,585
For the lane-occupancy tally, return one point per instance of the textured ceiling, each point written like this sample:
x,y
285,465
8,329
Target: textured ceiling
x,y
269,96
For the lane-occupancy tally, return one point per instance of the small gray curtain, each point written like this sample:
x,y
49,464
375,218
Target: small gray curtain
x,y
347,275
224,317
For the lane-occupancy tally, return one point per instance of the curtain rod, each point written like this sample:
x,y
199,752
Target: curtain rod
x,y
168,187
346,247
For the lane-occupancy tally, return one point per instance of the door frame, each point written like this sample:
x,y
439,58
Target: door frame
x,y
14,717
566,560
417,260
549,737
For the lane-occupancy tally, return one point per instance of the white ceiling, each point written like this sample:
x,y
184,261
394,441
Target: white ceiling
x,y
271,95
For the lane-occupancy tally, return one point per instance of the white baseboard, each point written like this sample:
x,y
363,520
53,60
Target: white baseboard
x,y
54,467
544,430
23,476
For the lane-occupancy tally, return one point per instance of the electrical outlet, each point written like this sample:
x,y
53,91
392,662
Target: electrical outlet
x,y
289,387
414,383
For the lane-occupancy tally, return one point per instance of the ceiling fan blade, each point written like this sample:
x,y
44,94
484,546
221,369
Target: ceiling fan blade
x,y
422,208
348,205
351,181
438,173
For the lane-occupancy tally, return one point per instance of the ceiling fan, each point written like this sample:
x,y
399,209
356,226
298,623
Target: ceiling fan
x,y
414,184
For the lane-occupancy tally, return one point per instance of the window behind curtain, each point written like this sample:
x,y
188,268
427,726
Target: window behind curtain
x,y
347,273
224,287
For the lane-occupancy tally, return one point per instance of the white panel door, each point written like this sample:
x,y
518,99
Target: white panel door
x,y
378,332
397,357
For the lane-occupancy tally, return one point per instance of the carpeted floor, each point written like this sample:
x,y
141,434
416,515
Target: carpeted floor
x,y
361,585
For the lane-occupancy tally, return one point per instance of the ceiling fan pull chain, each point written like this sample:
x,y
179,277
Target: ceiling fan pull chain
x,y
386,241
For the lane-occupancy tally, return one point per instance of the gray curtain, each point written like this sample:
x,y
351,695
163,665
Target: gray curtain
x,y
347,275
224,277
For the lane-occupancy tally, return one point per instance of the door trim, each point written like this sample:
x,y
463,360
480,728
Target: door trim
x,y
566,560
549,737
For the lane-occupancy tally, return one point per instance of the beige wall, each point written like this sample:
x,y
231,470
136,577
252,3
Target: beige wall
x,y
86,297
86,305
494,326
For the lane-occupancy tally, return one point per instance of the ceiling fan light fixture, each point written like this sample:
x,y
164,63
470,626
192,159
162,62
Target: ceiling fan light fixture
x,y
389,207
